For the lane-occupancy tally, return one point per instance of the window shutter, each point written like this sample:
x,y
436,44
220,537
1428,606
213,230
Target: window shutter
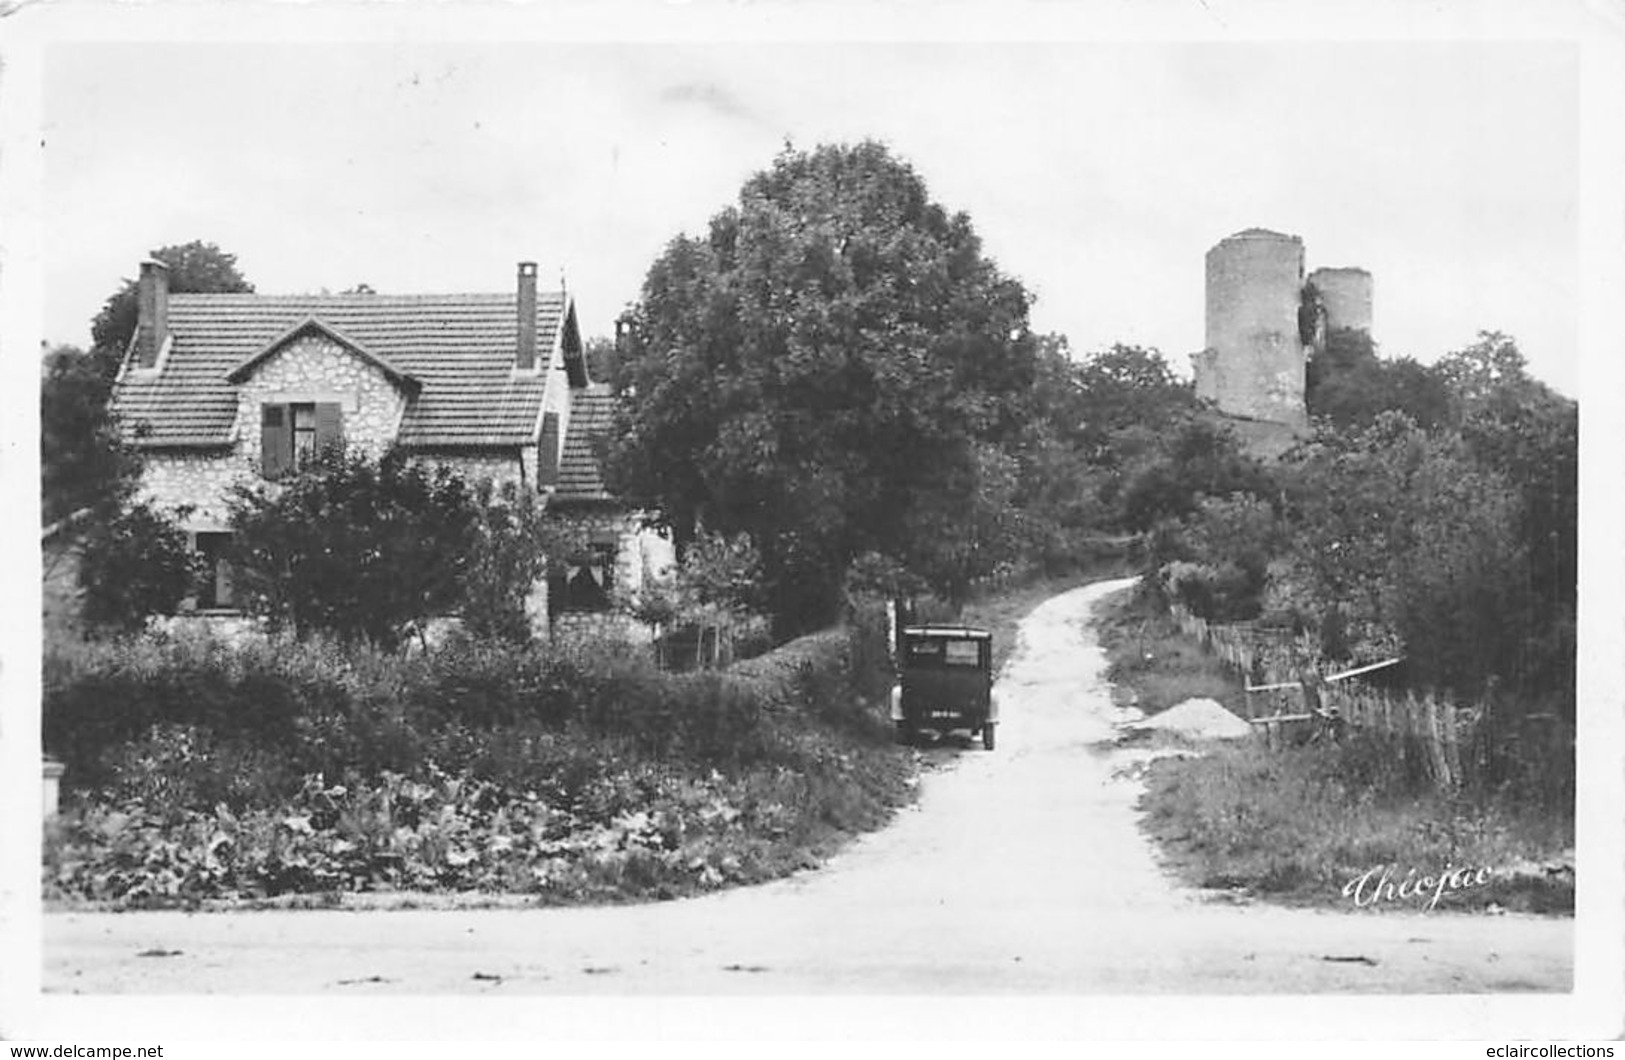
x,y
329,427
225,594
547,454
276,444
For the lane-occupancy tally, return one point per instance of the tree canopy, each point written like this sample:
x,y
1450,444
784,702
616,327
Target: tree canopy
x,y
826,371
82,464
1349,385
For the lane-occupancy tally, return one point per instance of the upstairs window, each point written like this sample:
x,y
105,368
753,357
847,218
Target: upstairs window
x,y
293,435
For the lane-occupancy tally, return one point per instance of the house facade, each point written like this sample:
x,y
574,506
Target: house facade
x,y
222,389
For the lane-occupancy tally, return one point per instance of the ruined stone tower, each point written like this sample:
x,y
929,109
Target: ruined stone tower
x,y
1252,368
1345,295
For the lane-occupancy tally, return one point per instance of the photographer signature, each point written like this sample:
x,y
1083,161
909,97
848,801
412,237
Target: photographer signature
x,y
1380,885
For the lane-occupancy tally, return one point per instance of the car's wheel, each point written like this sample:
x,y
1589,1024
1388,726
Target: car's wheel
x,y
987,736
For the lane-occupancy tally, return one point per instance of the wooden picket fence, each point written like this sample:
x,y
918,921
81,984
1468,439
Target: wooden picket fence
x,y
1290,700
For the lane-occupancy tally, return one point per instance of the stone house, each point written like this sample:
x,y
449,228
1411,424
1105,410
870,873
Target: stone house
x,y
218,389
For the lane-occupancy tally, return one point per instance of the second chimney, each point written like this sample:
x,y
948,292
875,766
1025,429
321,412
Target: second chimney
x,y
152,321
525,356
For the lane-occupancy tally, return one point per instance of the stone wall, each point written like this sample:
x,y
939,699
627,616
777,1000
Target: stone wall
x,y
171,478
501,466
312,368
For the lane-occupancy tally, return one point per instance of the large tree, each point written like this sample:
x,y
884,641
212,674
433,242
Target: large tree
x,y
82,464
1347,384
825,371
1520,429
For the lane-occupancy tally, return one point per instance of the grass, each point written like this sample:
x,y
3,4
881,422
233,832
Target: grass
x,y
1159,665
1297,825
1286,824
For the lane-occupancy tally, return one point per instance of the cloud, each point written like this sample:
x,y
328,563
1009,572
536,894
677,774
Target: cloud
x,y
711,96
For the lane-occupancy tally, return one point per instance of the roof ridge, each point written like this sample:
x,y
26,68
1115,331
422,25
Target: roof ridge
x,y
364,299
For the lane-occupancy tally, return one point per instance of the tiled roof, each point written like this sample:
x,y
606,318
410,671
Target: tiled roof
x,y
592,415
460,348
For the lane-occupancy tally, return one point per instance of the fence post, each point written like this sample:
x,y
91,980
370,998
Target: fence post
x,y
1452,745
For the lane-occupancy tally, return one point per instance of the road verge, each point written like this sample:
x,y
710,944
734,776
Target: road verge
x,y
1305,825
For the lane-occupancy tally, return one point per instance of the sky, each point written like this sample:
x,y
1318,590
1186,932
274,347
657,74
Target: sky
x,y
1097,173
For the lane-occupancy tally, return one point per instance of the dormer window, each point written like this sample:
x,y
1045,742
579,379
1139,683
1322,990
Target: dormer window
x,y
294,435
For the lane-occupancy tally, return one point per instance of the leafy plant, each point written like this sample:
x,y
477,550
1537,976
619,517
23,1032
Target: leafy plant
x,y
133,565
362,548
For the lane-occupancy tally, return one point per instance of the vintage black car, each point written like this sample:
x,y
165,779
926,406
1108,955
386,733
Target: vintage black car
x,y
944,682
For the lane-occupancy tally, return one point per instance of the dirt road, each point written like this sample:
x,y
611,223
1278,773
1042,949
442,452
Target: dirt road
x,y
1020,871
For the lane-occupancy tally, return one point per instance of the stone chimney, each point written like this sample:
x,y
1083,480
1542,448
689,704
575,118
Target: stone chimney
x,y
152,321
525,355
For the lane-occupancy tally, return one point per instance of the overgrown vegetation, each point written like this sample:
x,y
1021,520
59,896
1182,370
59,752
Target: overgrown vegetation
x,y
369,549
134,562
1296,824
1430,516
201,771
1150,659
1453,546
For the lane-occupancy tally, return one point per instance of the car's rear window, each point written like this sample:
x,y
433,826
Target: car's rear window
x,y
934,652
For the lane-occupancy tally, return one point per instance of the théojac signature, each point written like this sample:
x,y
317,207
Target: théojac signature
x,y
1379,885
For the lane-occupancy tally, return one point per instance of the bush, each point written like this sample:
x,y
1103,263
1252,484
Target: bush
x,y
482,766
98,696
133,566
326,708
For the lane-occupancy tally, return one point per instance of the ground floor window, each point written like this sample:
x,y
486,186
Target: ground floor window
x,y
216,591
583,581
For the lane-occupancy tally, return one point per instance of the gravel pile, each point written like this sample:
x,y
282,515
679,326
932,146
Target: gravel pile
x,y
1198,719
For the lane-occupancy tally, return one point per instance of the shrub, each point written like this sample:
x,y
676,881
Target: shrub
x,y
135,565
490,767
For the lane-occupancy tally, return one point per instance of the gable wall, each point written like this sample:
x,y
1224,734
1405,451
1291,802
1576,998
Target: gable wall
x,y
556,400
315,368
311,368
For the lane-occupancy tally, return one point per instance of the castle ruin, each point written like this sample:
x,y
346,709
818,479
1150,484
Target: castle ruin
x,y
1263,317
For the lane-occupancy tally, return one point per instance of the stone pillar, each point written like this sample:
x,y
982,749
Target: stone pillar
x,y
51,775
